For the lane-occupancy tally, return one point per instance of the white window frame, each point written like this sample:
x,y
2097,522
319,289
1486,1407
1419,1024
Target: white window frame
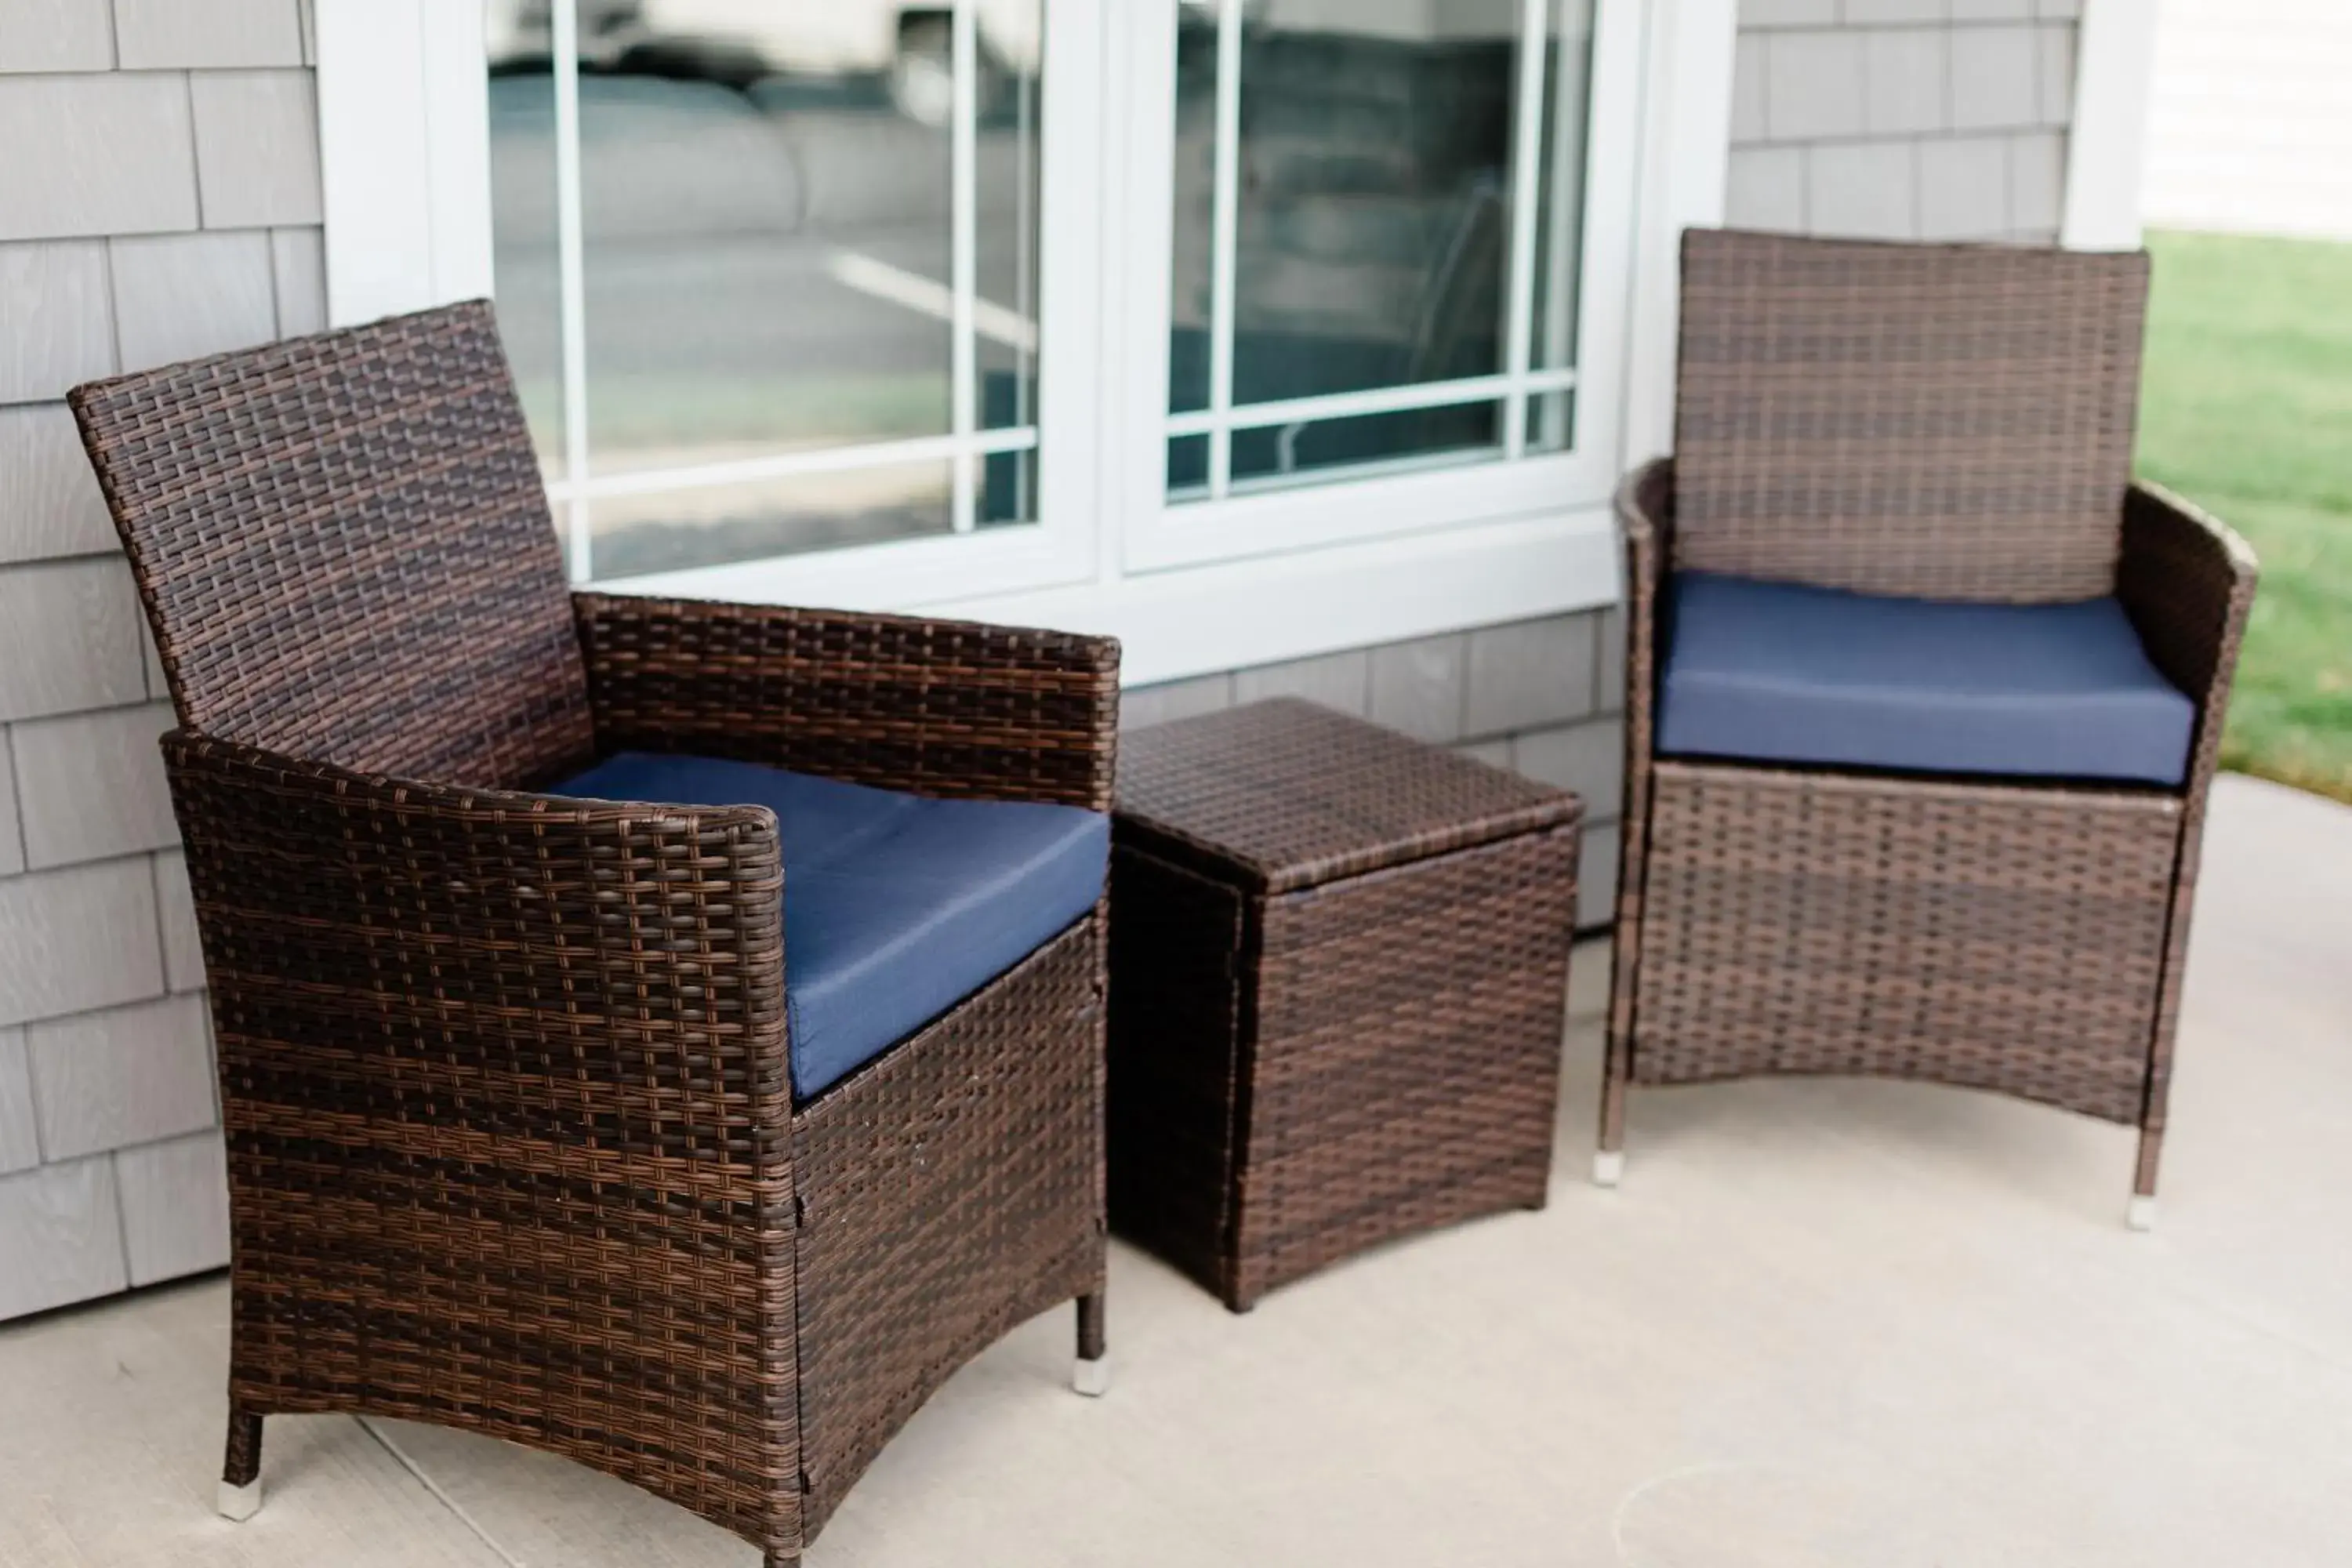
x,y
405,148
1443,492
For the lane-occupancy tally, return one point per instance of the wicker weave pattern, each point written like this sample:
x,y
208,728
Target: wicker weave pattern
x,y
328,505
1406,1065
1344,1026
512,1138
1180,954
1934,421
950,1191
2005,939
1291,796
535,1096
941,708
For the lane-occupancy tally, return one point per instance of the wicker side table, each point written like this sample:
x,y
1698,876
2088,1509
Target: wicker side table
x,y
1339,961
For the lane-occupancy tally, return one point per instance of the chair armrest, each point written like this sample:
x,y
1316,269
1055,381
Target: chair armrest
x,y
591,981
2187,581
1645,515
931,707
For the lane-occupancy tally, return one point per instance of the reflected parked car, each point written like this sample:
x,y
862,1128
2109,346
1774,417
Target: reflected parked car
x,y
907,46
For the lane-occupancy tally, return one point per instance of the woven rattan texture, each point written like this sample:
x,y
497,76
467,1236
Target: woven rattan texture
x,y
1946,422
511,1143
941,708
359,507
508,1140
1298,1075
950,1191
1405,1069
1178,962
1290,794
1994,936
1796,922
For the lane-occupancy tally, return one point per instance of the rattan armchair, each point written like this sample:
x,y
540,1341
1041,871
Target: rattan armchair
x,y
513,1142
1944,424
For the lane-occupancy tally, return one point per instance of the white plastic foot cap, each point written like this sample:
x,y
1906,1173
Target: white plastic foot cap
x,y
2141,1215
1608,1167
240,1503
1092,1378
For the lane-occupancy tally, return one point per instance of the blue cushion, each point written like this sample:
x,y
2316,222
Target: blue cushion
x,y
896,907
1780,672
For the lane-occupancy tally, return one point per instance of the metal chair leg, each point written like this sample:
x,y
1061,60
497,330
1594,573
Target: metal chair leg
x,y
1091,1376
240,1498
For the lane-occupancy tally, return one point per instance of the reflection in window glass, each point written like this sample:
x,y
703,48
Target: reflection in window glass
x,y
1268,456
771,242
1374,181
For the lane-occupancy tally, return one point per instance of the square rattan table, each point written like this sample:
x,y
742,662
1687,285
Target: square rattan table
x,y
1338,964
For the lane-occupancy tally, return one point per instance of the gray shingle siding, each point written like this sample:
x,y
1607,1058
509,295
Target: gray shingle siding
x,y
172,208
1902,119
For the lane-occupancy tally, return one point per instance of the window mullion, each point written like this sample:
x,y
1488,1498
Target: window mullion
x,y
572,290
964,284
1526,157
1224,244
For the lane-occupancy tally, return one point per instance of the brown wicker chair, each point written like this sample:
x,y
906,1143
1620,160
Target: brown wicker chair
x,y
1947,423
512,1142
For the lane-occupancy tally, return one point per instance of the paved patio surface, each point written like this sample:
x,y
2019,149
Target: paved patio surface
x,y
1821,1324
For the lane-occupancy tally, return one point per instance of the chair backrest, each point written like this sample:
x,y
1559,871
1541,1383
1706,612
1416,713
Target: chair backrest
x,y
344,549
1948,422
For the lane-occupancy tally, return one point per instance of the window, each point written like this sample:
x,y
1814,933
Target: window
x,y
1380,289
1241,328
769,274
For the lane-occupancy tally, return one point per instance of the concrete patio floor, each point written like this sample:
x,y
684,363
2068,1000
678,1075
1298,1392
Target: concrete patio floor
x,y
1821,1324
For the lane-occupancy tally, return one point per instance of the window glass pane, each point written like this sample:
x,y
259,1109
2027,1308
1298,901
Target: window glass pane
x,y
1191,282
771,241
1008,170
1272,456
713,524
523,240
766,252
1373,165
1374,181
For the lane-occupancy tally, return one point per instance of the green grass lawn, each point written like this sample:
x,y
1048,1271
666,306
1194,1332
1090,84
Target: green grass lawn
x,y
2248,410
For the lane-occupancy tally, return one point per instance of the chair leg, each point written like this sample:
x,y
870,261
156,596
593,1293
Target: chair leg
x,y
2141,1214
1092,1374
1609,1156
240,1487
780,1560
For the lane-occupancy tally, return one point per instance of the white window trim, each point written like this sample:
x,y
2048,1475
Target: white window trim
x,y
2106,147
405,148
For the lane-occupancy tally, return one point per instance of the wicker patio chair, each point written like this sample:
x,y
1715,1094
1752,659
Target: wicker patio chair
x,y
1984,878
508,1077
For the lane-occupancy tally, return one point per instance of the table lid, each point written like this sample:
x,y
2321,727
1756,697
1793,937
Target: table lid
x,y
1290,795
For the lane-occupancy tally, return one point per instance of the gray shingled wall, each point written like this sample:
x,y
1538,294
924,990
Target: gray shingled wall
x,y
1902,119
159,198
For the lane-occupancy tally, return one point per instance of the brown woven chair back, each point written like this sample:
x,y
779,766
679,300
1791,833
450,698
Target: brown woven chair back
x,y
345,553
1947,422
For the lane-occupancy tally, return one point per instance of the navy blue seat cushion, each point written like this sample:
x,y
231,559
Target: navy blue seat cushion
x,y
896,907
1781,672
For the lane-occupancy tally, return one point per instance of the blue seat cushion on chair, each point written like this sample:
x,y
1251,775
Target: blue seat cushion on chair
x,y
896,907
1782,672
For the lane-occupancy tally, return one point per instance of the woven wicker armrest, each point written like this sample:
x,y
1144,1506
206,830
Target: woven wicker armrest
x,y
512,940
932,707
2187,581
1646,513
